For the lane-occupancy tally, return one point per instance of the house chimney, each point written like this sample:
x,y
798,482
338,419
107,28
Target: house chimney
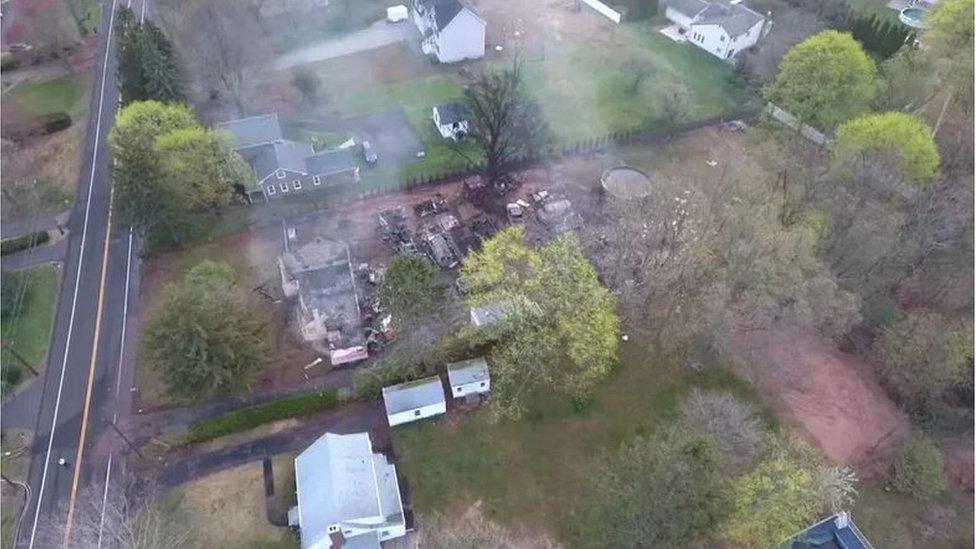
x,y
842,521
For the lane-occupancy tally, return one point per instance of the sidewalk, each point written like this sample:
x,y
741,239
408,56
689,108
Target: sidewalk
x,y
19,227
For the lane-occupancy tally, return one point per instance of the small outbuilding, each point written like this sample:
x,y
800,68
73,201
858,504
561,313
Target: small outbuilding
x,y
414,400
395,14
468,377
451,120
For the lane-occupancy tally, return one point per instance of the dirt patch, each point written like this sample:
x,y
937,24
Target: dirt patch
x,y
832,398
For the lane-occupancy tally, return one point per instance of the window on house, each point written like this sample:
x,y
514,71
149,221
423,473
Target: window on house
x,y
721,38
482,383
385,533
460,389
283,186
280,174
297,184
271,189
416,413
316,180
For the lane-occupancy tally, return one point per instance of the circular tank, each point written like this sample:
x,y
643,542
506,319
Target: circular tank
x,y
913,17
626,183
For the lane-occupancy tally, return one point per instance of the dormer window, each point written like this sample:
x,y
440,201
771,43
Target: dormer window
x,y
280,174
297,184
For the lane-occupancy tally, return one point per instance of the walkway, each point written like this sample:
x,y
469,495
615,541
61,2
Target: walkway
x,y
19,227
35,256
375,36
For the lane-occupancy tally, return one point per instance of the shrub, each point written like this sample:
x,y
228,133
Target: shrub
x,y
8,62
734,424
920,470
249,418
20,243
55,122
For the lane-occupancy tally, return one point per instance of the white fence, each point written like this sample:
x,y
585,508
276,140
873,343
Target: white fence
x,y
789,120
604,10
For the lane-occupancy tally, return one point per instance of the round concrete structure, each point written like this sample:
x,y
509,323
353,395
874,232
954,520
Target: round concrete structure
x,y
626,183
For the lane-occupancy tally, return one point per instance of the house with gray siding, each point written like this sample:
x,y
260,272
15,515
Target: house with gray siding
x,y
283,167
452,30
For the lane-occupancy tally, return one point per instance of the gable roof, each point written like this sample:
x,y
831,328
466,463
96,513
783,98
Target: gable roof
x,y
330,162
446,10
467,371
254,130
413,395
837,531
340,480
268,158
449,113
734,18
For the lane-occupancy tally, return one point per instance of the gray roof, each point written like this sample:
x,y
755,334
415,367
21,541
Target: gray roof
x,y
413,395
446,10
340,480
688,8
255,130
450,113
735,19
330,162
467,371
491,313
283,154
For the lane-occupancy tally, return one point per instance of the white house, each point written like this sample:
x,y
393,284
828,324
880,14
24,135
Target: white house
x,y
452,30
348,495
723,28
451,120
468,377
414,400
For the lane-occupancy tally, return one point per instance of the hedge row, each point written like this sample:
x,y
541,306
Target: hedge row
x,y
254,416
20,243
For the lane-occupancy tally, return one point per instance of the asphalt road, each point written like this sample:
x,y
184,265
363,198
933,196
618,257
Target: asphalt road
x,y
85,313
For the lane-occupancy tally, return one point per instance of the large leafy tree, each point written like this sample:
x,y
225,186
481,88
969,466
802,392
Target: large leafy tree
x,y
204,164
563,333
950,35
410,290
203,340
505,123
903,135
664,491
925,353
825,80
770,503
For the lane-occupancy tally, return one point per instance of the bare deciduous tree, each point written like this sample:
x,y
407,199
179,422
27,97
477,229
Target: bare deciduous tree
x,y
734,424
122,516
473,530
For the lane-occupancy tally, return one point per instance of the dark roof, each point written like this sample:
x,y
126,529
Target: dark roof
x,y
452,112
446,10
255,130
836,532
330,162
283,154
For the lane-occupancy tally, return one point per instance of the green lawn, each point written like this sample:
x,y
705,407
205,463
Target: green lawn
x,y
534,472
29,333
585,90
896,521
58,94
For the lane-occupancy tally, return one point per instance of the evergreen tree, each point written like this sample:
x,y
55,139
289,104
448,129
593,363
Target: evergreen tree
x,y
147,63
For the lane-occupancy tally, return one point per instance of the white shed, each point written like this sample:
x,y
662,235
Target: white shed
x,y
468,377
414,400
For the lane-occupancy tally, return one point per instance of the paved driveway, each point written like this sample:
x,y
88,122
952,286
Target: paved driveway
x,y
377,35
394,140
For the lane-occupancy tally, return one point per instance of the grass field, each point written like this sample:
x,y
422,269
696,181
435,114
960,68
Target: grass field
x,y
58,94
28,333
533,473
896,521
227,509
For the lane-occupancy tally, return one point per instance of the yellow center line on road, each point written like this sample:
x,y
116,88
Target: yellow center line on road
x,y
91,375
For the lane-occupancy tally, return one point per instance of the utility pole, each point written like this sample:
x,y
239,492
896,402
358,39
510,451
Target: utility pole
x,y
125,438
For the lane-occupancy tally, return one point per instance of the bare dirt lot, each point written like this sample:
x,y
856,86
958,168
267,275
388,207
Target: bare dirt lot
x,y
832,398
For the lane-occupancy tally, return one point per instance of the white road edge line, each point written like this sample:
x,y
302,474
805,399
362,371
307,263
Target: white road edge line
x,y
125,316
101,520
74,298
